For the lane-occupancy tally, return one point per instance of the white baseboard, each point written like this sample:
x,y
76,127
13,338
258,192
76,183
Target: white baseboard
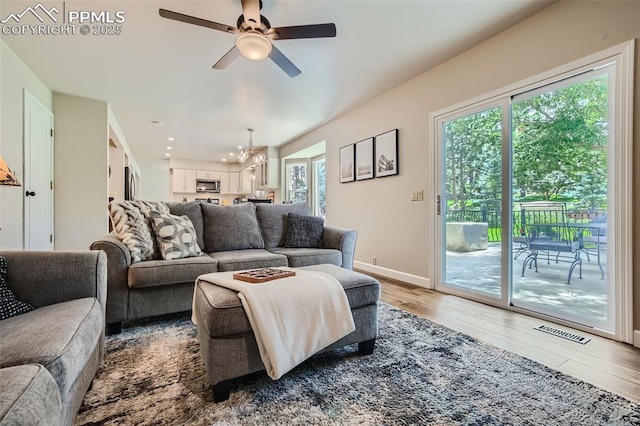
x,y
393,274
636,338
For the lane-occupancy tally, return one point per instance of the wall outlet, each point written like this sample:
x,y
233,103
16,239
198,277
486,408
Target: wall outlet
x,y
417,195
373,260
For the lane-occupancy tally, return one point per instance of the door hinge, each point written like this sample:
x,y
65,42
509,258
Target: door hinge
x,y
438,205
50,238
51,132
51,185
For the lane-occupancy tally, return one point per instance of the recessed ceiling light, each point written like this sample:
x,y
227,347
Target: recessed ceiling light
x,y
231,154
166,154
171,139
159,123
169,147
240,147
224,159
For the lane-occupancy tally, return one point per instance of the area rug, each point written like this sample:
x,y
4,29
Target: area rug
x,y
420,373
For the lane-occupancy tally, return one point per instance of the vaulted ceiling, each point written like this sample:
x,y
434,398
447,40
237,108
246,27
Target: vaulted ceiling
x,y
161,70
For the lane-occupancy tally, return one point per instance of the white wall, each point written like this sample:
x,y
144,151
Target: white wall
x,y
81,175
398,231
14,77
156,179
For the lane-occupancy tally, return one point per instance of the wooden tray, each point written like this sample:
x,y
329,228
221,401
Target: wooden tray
x,y
258,276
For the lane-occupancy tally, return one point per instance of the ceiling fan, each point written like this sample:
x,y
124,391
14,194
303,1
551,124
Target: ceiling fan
x,y
255,35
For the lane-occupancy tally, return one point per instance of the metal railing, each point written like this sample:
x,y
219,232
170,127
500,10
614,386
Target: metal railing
x,y
523,214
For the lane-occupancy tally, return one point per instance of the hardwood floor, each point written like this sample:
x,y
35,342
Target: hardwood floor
x,y
602,362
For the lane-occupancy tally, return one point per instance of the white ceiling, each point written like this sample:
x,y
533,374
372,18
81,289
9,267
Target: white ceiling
x,y
159,69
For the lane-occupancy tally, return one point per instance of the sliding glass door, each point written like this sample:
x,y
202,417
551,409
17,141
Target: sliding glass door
x,y
532,192
560,198
471,201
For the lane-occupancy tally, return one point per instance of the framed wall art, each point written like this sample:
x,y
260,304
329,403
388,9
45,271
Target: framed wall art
x,y
347,163
364,159
386,150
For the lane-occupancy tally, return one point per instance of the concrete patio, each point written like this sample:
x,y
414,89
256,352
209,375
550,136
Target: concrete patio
x,y
479,271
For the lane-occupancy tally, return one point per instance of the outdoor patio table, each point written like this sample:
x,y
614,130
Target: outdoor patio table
x,y
573,242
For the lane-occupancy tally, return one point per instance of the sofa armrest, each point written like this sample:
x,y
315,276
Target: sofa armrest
x,y
118,262
343,240
44,278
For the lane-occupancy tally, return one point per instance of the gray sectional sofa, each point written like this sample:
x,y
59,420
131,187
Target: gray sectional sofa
x,y
237,237
49,356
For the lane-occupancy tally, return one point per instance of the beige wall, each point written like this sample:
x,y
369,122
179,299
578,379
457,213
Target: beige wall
x,y
14,78
398,231
81,174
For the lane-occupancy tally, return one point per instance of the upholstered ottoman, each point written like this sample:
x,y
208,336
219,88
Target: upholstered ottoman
x,y
228,345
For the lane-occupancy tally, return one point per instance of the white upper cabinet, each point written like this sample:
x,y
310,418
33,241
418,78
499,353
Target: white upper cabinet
x,y
184,180
208,174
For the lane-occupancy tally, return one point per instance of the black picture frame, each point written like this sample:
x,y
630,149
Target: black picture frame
x,y
347,163
386,154
364,167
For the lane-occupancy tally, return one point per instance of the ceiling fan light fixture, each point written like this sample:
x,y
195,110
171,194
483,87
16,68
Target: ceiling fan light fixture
x,y
253,45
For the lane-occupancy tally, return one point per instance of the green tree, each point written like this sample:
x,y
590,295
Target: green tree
x,y
559,142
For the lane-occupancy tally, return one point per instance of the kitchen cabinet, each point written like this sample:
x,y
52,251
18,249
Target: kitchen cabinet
x,y
208,174
230,183
267,174
184,180
246,181
233,183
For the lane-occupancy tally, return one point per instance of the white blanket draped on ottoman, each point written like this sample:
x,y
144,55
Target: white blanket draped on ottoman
x,y
292,318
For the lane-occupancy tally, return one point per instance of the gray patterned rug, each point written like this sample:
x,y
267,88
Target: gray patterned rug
x,y
420,373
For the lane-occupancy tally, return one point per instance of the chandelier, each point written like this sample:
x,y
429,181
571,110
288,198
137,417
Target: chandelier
x,y
258,156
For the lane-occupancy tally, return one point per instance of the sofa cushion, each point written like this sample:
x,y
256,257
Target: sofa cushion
x,y
9,305
273,221
231,227
237,260
30,396
193,210
304,231
162,272
175,235
309,256
61,337
132,229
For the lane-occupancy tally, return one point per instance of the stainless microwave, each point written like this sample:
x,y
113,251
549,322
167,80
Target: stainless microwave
x,y
208,186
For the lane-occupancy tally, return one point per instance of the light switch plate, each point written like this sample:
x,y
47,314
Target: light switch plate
x,y
417,195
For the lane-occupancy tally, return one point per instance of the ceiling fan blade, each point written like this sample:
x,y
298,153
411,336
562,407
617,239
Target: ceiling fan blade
x,y
303,31
283,62
196,21
251,12
228,57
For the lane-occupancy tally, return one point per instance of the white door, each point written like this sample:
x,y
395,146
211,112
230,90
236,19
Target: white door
x,y
38,175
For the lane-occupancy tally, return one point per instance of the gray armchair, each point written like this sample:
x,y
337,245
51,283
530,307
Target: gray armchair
x,y
49,356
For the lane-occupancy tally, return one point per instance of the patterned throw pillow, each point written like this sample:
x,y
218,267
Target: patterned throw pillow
x,y
9,305
304,231
132,229
176,235
145,208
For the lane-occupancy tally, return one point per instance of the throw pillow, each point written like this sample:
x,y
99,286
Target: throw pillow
x,y
304,231
231,228
194,212
176,235
9,305
132,229
145,208
273,221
